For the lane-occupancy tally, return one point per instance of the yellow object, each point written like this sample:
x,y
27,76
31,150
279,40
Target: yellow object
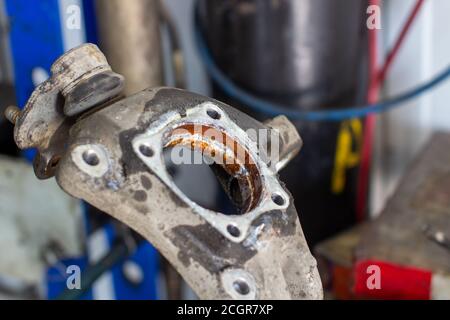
x,y
348,150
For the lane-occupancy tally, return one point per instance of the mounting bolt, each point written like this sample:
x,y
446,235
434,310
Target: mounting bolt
x,y
12,113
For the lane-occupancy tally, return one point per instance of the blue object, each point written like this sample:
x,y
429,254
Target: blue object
x,y
56,277
145,257
90,21
273,109
36,42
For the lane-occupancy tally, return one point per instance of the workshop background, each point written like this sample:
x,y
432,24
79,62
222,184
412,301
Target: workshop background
x,y
370,191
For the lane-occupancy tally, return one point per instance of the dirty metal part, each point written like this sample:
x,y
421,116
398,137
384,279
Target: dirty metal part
x,y
12,113
81,79
113,159
132,45
85,79
289,138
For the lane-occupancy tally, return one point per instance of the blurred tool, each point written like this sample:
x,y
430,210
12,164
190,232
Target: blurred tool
x,y
415,267
407,247
117,254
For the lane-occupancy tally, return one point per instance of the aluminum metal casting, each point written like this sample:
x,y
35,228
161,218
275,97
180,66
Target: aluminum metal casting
x,y
108,150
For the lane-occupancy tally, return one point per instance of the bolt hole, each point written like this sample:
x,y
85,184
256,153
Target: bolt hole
x,y
146,151
213,114
278,200
54,162
91,158
241,287
233,231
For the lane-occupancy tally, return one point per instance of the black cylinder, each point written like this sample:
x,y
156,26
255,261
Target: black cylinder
x,y
311,55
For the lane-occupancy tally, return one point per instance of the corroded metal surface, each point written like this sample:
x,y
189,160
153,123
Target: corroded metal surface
x,y
81,79
111,157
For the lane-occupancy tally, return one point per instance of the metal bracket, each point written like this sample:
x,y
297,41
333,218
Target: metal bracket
x,y
111,155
